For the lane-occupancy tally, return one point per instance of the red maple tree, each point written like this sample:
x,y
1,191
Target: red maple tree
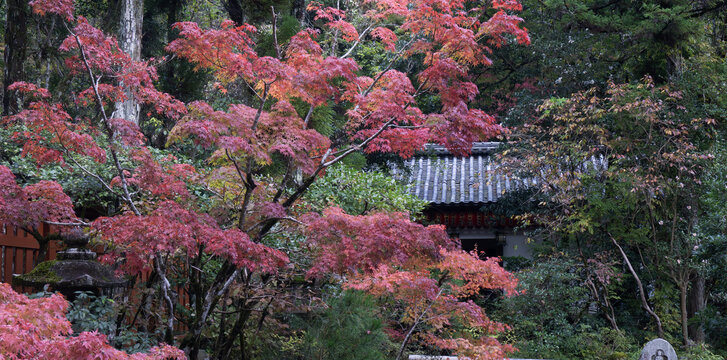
x,y
164,226
422,269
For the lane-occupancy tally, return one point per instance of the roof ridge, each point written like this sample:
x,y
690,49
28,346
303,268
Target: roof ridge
x,y
478,147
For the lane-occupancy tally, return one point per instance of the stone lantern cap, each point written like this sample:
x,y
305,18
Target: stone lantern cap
x,y
74,269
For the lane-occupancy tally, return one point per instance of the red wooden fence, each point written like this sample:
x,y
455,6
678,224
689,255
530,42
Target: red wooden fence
x,y
19,250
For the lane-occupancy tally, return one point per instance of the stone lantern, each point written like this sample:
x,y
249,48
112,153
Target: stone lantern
x,y
74,269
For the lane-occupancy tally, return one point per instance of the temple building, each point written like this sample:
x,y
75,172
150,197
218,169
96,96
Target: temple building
x,y
462,193
458,190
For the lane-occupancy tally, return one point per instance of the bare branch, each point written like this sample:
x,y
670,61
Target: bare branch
x,y
79,223
264,98
360,37
289,218
642,294
389,66
359,146
416,323
307,117
95,176
237,167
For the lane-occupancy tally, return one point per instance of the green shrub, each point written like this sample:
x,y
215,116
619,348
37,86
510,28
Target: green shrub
x,y
348,329
89,312
700,353
551,319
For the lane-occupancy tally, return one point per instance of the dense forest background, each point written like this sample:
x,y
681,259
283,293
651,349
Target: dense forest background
x,y
624,254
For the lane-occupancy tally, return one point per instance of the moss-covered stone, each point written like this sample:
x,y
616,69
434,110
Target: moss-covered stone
x,y
42,273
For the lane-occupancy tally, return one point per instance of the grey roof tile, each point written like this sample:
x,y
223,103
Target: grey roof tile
x,y
441,178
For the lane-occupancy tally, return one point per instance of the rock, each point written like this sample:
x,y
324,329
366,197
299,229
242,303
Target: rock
x,y
658,349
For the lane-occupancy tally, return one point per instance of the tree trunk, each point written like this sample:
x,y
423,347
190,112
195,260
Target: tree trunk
x,y
237,330
212,296
132,17
235,11
16,33
297,9
696,303
683,290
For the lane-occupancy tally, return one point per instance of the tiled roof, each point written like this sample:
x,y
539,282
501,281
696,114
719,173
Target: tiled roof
x,y
447,179
441,178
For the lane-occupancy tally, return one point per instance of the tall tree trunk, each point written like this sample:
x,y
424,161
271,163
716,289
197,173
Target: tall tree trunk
x,y
235,11
697,303
683,290
16,34
132,17
297,9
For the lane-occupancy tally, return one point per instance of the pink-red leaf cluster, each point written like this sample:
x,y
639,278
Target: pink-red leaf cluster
x,y
171,229
38,329
348,244
420,268
28,207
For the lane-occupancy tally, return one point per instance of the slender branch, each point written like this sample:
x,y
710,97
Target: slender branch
x,y
210,298
237,167
165,293
96,176
642,294
389,123
264,313
323,165
289,218
79,223
412,127
389,66
416,323
360,37
307,117
359,146
252,89
281,186
264,98
124,184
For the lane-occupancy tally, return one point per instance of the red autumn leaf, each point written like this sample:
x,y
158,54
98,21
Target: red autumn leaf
x,y
28,207
38,329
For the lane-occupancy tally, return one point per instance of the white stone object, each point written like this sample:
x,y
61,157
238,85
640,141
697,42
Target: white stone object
x,y
658,349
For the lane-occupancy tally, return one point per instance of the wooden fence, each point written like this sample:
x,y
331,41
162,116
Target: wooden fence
x,y
19,251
